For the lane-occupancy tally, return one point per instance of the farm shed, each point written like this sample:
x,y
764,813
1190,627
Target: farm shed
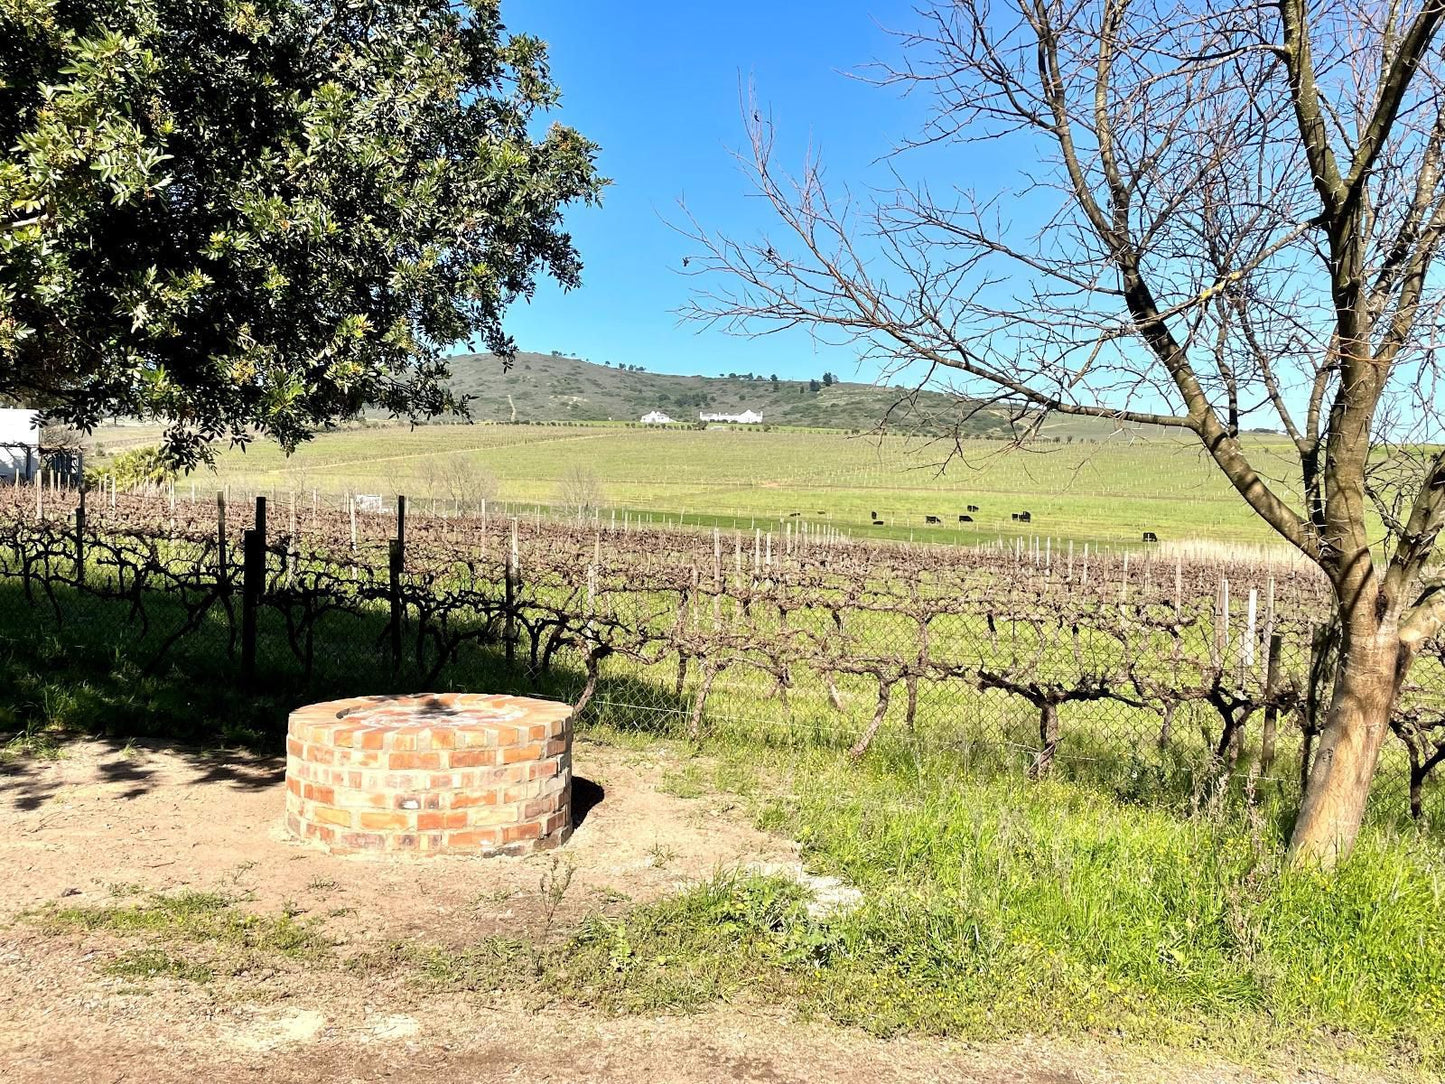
x,y
656,417
19,443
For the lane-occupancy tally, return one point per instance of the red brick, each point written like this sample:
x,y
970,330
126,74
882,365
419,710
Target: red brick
x,y
327,815
518,753
465,799
473,758
415,760
540,806
430,822
362,841
474,837
384,821
495,778
512,833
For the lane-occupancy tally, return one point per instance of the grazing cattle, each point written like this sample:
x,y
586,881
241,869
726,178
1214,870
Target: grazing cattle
x,y
822,512
965,519
873,515
1026,517
1150,536
878,523
791,515
931,519
973,508
1015,516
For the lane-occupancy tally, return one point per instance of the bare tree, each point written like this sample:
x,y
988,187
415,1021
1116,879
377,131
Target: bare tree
x,y
580,492
1233,223
466,483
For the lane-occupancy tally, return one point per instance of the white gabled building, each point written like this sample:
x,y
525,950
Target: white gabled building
x,y
747,417
19,443
656,417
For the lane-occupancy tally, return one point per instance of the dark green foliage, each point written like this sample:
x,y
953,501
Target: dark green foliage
x,y
258,216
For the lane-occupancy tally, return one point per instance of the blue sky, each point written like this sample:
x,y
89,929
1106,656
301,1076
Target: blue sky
x,y
657,85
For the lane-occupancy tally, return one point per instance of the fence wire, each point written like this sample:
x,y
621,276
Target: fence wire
x,y
1167,679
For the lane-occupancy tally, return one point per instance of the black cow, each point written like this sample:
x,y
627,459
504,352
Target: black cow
x,y
873,515
973,508
1150,536
1015,516
878,523
1025,517
792,514
965,519
931,519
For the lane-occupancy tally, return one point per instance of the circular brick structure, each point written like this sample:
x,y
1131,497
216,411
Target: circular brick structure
x,y
431,773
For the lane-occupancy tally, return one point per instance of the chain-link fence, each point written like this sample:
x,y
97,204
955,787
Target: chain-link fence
x,y
1160,679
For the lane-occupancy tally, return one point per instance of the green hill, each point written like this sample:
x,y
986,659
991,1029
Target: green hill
x,y
554,388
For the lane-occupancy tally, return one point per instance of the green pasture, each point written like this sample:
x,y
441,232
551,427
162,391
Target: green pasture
x,y
1106,492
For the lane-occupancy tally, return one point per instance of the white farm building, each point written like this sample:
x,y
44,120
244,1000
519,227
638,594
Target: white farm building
x,y
19,443
747,417
656,417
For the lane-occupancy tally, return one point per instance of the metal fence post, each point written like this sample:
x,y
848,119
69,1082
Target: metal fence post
x,y
80,540
397,560
1268,734
509,631
223,572
253,583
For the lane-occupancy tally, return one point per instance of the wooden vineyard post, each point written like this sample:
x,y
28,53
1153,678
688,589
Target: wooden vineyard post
x,y
717,578
253,583
401,519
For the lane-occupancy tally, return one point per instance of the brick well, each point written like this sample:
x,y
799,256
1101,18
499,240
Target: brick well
x,y
436,772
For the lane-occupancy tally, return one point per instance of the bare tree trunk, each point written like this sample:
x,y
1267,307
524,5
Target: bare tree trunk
x,y
1370,670
1048,740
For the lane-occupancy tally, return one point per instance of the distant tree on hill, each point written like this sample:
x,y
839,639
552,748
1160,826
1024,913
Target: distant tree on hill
x,y
256,217
814,386
774,378
828,380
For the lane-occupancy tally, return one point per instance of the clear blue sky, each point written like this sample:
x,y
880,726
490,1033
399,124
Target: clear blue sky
x,y
656,84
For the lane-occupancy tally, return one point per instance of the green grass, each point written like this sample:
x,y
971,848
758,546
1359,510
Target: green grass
x,y
1107,492
201,917
993,909
153,963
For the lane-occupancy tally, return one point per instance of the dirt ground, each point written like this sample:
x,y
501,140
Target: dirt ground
x,y
104,819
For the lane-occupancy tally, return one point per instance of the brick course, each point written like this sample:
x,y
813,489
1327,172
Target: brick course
x,y
430,773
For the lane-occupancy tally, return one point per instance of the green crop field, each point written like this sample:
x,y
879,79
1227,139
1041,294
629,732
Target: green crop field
x,y
1105,491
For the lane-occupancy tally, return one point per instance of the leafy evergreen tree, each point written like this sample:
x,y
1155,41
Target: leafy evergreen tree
x,y
258,216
